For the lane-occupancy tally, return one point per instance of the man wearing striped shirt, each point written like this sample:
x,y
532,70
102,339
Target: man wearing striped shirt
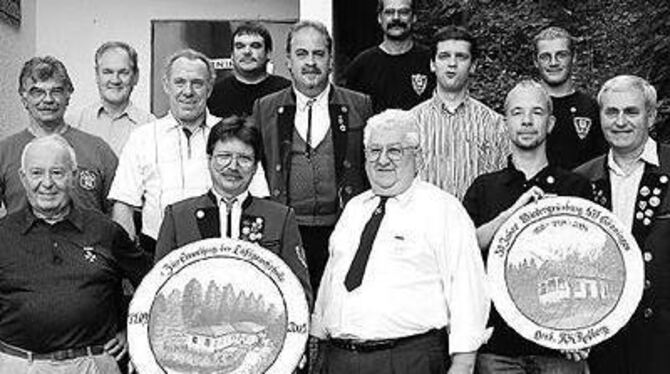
x,y
461,137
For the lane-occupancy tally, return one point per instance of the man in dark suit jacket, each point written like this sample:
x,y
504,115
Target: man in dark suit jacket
x,y
632,180
228,210
313,141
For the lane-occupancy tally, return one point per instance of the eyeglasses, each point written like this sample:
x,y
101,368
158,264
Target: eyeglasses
x,y
402,12
225,159
37,93
393,152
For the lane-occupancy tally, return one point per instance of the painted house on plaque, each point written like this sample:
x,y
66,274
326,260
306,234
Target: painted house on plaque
x,y
210,339
558,282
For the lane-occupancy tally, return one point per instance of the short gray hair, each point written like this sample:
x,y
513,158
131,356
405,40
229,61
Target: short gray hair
x,y
193,55
394,119
628,82
316,25
130,51
530,83
50,139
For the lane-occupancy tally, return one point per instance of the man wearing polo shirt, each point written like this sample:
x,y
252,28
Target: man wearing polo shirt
x,y
60,273
632,180
114,116
494,197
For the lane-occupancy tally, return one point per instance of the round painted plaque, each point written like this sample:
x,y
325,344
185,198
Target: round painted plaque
x,y
218,306
565,273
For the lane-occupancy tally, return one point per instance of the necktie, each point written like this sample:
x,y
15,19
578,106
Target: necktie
x,y
187,132
357,269
308,141
229,217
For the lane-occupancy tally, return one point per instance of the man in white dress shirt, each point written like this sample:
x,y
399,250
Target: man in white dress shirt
x,y
403,290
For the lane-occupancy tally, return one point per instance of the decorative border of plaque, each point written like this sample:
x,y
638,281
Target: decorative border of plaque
x,y
218,305
565,273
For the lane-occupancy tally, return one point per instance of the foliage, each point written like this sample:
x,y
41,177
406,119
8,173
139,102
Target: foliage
x,y
613,37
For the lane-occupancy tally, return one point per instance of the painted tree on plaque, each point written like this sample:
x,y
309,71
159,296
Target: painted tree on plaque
x,y
191,306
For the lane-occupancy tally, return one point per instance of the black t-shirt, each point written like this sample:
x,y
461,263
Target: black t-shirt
x,y
392,81
230,96
489,195
577,136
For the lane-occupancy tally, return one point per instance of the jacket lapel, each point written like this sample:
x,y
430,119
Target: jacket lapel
x,y
207,217
339,125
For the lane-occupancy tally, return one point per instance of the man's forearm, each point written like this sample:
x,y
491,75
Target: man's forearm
x,y
122,214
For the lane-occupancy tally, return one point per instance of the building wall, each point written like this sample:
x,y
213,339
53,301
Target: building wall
x,y
73,29
17,44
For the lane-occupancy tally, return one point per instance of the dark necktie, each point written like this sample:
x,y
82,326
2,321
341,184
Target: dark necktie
x,y
357,269
308,147
229,217
187,132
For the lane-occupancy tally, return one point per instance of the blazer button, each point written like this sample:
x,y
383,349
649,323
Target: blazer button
x,y
346,164
348,189
276,192
647,256
647,284
278,167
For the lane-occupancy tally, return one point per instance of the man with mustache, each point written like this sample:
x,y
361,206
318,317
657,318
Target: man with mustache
x,y
395,73
228,209
313,141
235,95
495,196
577,136
114,116
45,89
461,137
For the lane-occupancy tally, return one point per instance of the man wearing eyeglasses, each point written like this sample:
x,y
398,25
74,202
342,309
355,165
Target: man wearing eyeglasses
x,y
403,290
396,73
45,88
577,136
229,210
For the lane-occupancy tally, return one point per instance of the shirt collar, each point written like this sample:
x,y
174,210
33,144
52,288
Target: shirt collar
x,y
442,105
649,155
210,121
301,99
74,217
239,199
131,111
548,173
402,198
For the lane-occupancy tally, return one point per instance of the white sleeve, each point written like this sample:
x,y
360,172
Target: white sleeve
x,y
128,184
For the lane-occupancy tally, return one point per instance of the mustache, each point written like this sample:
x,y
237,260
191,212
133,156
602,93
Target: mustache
x,y
313,70
397,23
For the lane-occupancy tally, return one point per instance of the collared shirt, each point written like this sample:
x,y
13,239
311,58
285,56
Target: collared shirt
x,y
424,272
320,116
235,213
458,146
115,130
60,284
624,186
160,166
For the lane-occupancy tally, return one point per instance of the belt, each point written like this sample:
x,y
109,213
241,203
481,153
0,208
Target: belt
x,y
355,345
66,354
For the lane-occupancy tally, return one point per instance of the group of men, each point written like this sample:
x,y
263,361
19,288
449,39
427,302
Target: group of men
x,y
359,189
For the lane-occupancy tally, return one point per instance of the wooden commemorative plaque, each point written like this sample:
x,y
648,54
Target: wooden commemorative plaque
x,y
565,273
218,306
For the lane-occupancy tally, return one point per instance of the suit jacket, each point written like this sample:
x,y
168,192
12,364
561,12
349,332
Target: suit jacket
x,y
641,346
349,110
197,218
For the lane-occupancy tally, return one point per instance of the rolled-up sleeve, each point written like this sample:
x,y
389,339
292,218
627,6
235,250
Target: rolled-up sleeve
x,y
128,184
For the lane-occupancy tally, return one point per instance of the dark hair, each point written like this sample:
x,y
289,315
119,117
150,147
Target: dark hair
x,y
380,5
453,32
130,51
235,127
253,28
40,69
318,26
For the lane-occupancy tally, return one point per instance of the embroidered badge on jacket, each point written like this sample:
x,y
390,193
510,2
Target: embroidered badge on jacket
x,y
419,83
